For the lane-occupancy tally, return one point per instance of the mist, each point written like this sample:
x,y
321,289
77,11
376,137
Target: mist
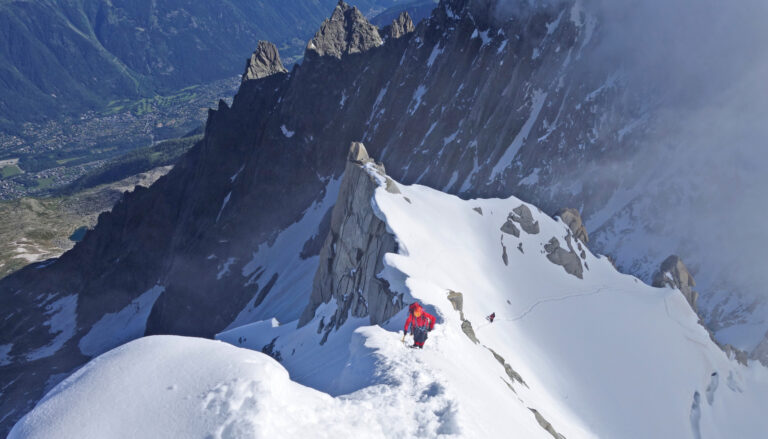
x,y
700,69
702,65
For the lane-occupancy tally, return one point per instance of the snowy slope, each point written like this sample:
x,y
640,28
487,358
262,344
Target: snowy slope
x,y
169,386
602,356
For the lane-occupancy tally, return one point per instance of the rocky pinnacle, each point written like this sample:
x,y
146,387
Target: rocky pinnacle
x,y
401,25
346,32
675,274
353,252
265,61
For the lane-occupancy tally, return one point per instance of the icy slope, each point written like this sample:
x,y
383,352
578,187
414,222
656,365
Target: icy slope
x,y
598,356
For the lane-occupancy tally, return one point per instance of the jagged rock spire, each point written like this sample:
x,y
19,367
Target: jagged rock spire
x,y
401,25
675,274
264,62
354,250
346,32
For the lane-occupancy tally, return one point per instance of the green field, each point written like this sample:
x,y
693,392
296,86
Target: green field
x,y
71,159
10,171
44,183
157,102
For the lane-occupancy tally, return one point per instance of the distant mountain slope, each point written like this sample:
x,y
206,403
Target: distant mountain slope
x,y
35,229
66,56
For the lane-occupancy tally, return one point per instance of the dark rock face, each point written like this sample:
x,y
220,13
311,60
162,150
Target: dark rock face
x,y
675,274
264,62
353,253
401,25
346,32
568,259
572,219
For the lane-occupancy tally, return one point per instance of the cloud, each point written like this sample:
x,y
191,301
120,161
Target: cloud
x,y
704,64
700,67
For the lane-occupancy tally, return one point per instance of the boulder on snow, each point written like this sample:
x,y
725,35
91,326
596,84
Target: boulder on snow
x,y
568,259
546,425
265,61
675,274
572,218
346,32
510,229
457,301
523,216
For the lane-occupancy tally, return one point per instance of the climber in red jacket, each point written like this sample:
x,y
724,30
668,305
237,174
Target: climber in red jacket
x,y
421,322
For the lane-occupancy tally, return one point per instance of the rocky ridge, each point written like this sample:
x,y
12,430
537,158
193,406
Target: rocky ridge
x,y
353,253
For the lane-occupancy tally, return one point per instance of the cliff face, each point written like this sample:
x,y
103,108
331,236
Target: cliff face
x,y
353,253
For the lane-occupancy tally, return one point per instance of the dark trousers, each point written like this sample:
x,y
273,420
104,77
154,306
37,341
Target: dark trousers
x,y
419,336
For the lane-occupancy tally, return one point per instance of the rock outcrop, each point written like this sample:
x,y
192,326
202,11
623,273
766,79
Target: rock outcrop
x,y
346,32
568,259
572,218
265,61
510,228
353,252
523,216
457,301
401,25
675,274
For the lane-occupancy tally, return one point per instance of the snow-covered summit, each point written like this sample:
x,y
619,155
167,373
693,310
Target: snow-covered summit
x,y
577,349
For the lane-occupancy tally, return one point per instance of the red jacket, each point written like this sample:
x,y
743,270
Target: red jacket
x,y
425,319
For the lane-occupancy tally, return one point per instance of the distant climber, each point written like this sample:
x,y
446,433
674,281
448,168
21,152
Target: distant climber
x,y
421,322
491,317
